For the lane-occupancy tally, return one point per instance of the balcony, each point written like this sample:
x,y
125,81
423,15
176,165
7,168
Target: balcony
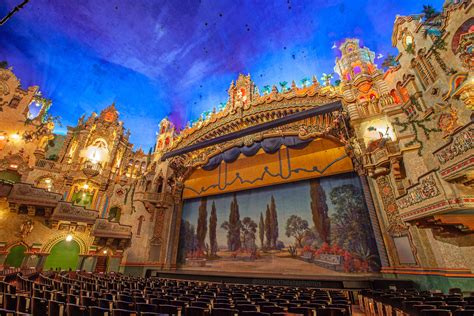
x,y
111,234
163,199
456,158
105,229
65,211
28,195
379,161
91,169
429,197
47,164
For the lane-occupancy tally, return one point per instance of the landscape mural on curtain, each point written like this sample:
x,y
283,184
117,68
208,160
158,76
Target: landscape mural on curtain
x,y
313,227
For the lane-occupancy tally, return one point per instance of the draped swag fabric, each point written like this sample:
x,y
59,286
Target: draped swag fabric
x,y
268,163
269,145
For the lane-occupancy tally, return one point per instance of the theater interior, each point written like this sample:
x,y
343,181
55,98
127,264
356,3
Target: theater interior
x,y
343,193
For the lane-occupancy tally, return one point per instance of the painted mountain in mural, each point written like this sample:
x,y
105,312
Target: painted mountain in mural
x,y
320,226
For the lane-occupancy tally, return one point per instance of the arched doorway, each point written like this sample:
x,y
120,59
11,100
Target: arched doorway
x,y
15,256
102,260
63,255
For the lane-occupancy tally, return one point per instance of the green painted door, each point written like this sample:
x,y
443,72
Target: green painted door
x,y
15,256
64,255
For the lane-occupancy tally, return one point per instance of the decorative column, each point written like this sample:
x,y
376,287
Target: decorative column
x,y
89,262
396,227
30,260
31,210
156,242
3,257
374,221
80,263
41,261
114,263
176,222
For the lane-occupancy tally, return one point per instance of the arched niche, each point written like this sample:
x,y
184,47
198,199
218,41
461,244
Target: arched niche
x,y
15,256
114,214
63,255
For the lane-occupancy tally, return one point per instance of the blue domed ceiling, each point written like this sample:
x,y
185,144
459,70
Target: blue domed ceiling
x,y
177,58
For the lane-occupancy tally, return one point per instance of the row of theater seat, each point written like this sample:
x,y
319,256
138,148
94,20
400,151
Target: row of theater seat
x,y
81,295
417,303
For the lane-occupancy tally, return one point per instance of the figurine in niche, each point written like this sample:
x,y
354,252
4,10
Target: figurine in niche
x,y
377,138
26,228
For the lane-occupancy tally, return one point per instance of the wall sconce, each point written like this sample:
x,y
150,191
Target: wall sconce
x,y
15,137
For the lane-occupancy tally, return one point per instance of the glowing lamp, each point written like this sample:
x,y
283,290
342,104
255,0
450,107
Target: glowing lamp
x,y
13,166
3,137
69,237
15,136
96,154
104,252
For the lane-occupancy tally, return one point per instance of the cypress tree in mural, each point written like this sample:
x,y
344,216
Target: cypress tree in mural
x,y
268,227
213,230
274,217
261,231
319,209
233,226
201,230
249,228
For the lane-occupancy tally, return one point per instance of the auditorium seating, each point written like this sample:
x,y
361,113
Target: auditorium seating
x,y
84,294
417,303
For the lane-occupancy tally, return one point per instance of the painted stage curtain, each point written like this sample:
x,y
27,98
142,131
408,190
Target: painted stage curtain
x,y
269,145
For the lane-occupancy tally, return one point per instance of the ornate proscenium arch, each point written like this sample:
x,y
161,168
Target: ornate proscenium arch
x,y
83,248
320,110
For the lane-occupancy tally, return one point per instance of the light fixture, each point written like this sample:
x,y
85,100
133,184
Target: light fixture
x,y
3,137
85,186
15,136
105,252
14,166
69,237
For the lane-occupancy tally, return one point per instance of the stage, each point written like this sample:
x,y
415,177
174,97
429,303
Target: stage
x,y
374,281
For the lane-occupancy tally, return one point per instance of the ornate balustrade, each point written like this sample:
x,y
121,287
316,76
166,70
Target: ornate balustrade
x,y
46,164
65,211
378,161
158,198
107,229
428,197
111,234
23,194
456,158
91,169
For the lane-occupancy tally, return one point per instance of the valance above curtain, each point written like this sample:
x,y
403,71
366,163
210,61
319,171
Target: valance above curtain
x,y
269,145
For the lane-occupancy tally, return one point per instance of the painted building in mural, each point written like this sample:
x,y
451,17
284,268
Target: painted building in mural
x,y
367,175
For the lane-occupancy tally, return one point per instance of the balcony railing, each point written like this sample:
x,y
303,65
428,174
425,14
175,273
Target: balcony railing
x,y
155,197
46,164
65,211
106,229
91,169
456,158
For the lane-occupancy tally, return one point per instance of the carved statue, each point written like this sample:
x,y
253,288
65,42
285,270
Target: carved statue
x,y
26,228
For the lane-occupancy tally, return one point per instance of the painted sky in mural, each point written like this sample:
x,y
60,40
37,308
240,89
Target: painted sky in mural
x,y
177,58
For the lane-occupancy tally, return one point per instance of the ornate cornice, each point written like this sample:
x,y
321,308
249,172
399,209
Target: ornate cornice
x,y
261,109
